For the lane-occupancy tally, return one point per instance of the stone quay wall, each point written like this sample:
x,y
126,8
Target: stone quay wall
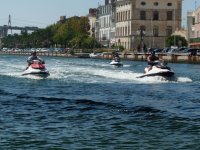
x,y
173,58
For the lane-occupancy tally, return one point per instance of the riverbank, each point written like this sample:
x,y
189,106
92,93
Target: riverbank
x,y
173,58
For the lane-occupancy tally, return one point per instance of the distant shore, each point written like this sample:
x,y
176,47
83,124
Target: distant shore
x,y
173,58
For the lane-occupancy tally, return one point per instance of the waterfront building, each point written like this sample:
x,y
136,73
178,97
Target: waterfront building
x,y
190,24
92,21
138,24
105,25
194,28
123,35
149,23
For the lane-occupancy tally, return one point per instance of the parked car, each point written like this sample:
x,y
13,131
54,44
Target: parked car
x,y
181,49
172,50
166,49
151,49
158,50
191,51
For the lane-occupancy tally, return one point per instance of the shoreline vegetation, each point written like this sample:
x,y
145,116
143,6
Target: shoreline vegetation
x,y
134,56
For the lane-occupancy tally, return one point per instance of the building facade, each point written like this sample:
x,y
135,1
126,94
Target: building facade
x,y
197,23
105,25
123,23
150,22
190,25
194,27
138,24
92,21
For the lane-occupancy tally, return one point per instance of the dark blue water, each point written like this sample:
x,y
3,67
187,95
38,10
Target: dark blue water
x,y
88,104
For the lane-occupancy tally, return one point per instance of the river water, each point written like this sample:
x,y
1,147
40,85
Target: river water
x,y
89,104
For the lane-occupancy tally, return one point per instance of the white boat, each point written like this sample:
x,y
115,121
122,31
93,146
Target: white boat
x,y
36,68
158,69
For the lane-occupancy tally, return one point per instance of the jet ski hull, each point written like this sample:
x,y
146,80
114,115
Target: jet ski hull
x,y
163,74
116,63
158,70
36,72
36,69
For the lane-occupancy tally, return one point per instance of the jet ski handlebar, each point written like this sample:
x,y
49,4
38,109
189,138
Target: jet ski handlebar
x,y
37,61
160,63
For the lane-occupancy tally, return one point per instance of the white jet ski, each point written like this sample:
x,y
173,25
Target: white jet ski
x,y
36,68
158,69
116,62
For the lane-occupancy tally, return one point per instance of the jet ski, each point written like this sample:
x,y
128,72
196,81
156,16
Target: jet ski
x,y
158,69
36,68
116,61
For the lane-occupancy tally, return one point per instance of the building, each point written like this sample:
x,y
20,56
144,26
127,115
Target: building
x,y
105,26
123,35
92,21
190,25
194,28
146,23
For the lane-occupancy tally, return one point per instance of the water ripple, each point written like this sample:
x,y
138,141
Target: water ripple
x,y
87,104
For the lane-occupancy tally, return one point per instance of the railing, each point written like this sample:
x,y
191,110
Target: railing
x,y
173,58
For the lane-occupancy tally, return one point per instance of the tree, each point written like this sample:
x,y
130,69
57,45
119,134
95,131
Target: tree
x,y
72,32
88,43
176,41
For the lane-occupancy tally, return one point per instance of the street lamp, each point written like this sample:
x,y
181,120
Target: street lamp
x,y
131,36
119,43
142,33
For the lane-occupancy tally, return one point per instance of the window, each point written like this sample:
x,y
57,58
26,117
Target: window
x,y
169,30
142,28
169,4
169,15
143,3
193,21
155,15
156,4
142,15
117,17
104,37
155,30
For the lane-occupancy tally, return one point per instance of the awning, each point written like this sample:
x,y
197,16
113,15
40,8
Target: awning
x,y
195,44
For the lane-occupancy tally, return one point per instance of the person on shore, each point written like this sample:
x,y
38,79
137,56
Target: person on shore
x,y
151,59
34,57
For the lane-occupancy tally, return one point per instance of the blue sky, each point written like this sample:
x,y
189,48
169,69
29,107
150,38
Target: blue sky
x,y
45,12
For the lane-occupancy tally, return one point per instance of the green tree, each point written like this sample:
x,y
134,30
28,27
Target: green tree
x,y
73,32
176,41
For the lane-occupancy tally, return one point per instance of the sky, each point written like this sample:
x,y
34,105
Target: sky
x,y
42,13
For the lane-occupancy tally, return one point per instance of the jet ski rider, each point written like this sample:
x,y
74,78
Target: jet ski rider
x,y
151,58
34,57
115,56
